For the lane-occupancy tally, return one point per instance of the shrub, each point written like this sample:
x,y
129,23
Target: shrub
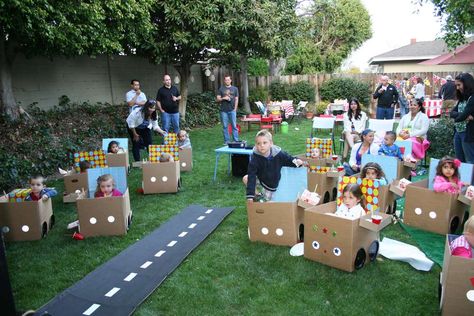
x,y
345,88
279,91
40,145
258,94
440,135
202,109
301,91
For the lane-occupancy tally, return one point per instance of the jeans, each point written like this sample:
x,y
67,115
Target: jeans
x,y
348,169
143,142
226,118
403,105
170,119
464,151
384,113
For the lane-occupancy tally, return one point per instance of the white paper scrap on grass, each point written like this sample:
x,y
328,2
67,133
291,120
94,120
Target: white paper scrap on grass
x,y
292,182
297,250
397,250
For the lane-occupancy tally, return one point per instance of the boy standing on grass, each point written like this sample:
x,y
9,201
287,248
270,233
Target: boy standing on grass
x,y
265,165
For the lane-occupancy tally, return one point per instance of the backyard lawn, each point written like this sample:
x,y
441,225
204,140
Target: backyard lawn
x,y
227,274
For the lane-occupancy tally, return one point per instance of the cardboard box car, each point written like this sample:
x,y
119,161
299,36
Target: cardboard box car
x,y
276,223
340,242
186,159
325,186
161,177
436,212
387,200
75,181
279,222
104,216
457,283
27,220
118,160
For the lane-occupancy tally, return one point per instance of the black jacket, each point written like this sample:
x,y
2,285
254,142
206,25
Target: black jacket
x,y
386,98
447,91
267,169
461,116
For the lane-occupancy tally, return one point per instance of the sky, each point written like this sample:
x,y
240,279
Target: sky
x,y
394,23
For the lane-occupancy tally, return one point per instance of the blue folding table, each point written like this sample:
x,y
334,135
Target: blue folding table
x,y
229,151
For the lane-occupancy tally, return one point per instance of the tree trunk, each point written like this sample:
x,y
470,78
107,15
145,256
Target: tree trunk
x,y
276,66
244,81
8,105
184,70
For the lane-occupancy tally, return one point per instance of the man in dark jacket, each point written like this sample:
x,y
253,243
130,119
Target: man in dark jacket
x,y
387,96
448,93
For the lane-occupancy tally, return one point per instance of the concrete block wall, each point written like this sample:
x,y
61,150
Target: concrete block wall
x,y
89,79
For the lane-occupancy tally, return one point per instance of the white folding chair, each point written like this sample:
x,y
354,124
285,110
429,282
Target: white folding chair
x,y
324,123
300,109
380,127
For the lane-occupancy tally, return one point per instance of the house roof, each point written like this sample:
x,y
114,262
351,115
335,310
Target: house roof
x,y
416,51
461,55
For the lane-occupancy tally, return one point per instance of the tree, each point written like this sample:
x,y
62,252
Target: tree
x,y
183,33
459,20
327,33
257,28
65,28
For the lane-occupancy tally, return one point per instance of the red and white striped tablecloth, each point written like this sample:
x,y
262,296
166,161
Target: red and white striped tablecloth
x,y
433,107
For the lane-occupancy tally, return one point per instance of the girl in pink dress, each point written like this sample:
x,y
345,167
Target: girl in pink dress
x,y
447,176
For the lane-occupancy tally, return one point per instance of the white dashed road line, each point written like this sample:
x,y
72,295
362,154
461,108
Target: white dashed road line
x,y
192,225
130,277
91,309
171,244
160,253
112,292
209,211
200,218
146,265
183,234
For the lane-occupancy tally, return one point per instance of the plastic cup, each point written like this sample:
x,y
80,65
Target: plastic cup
x,y
376,219
78,236
340,168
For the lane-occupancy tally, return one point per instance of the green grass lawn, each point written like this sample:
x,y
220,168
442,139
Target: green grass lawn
x,y
227,274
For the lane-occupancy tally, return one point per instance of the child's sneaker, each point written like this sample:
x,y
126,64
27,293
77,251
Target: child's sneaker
x,y
259,197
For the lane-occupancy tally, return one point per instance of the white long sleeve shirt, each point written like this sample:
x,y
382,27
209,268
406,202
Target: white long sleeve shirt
x,y
416,127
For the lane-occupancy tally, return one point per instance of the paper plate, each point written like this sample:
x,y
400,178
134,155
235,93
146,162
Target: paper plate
x,y
297,250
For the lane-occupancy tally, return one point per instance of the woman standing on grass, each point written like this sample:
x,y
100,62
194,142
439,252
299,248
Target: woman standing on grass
x,y
367,146
463,115
354,123
140,122
414,127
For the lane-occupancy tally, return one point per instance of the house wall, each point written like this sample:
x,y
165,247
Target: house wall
x,y
86,79
415,67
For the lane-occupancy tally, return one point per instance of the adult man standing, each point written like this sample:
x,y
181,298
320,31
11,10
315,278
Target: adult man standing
x,y
167,99
135,97
228,97
448,93
386,95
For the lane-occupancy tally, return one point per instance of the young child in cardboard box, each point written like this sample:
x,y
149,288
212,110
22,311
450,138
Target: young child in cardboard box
x,y
352,198
462,246
114,148
265,165
447,176
183,140
39,190
389,148
373,171
106,187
